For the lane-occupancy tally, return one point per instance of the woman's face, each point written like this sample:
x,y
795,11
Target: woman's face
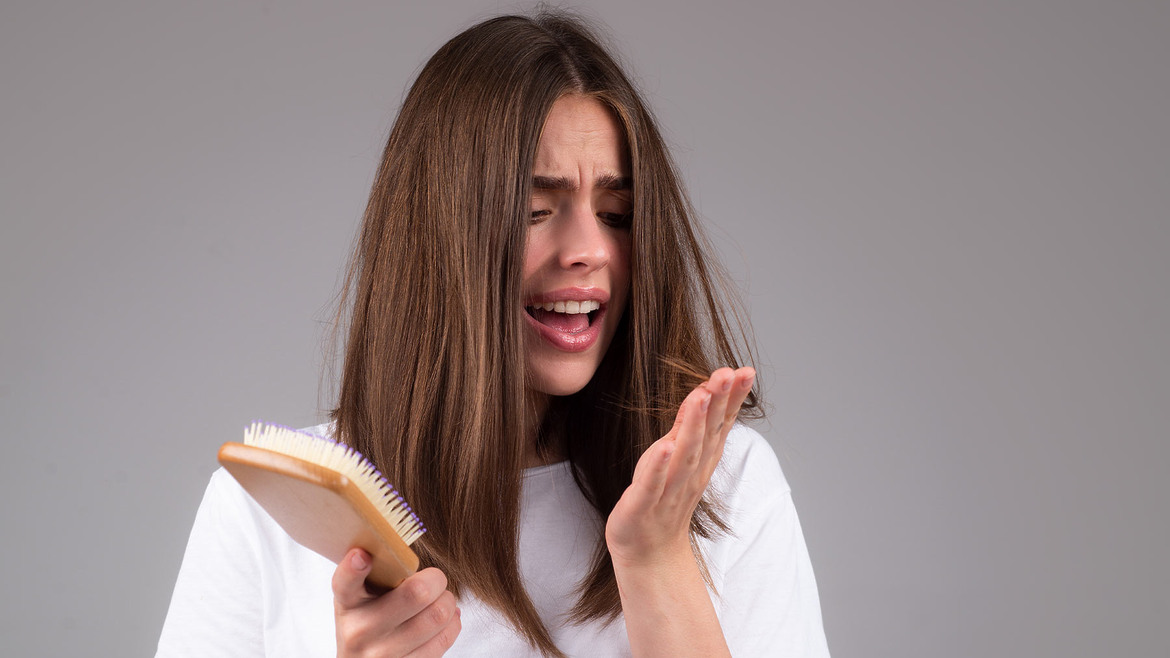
x,y
577,261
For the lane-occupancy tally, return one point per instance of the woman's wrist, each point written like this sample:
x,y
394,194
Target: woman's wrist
x,y
673,562
667,609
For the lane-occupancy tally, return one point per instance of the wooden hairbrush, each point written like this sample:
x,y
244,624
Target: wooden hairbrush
x,y
327,497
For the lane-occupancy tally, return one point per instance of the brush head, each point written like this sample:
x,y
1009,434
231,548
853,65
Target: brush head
x,y
347,462
327,497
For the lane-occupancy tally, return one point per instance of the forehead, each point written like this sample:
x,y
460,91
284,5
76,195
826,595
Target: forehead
x,y
581,134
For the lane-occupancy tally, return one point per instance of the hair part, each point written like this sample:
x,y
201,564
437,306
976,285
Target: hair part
x,y
433,386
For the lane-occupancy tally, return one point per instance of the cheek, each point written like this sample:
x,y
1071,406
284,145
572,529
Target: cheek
x,y
534,254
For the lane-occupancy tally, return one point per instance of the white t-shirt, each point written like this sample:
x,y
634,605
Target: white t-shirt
x,y
247,589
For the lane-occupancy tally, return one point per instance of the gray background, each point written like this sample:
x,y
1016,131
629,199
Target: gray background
x,y
951,221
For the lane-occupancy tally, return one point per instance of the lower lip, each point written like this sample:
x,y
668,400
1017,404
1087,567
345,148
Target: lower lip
x,y
566,342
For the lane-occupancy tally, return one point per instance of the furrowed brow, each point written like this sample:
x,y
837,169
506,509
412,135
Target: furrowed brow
x,y
611,182
614,182
559,183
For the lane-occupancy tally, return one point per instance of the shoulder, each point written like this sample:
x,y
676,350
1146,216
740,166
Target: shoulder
x,y
764,589
749,466
751,492
324,430
226,504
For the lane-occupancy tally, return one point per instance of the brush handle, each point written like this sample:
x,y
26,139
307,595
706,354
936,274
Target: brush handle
x,y
321,509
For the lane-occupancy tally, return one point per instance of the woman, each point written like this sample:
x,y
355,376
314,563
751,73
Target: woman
x,y
530,360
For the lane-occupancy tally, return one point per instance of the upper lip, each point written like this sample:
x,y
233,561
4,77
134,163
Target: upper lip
x,y
576,294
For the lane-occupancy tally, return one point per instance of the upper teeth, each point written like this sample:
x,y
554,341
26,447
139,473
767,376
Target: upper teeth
x,y
570,307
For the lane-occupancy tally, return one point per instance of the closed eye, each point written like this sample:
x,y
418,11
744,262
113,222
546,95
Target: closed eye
x,y
617,220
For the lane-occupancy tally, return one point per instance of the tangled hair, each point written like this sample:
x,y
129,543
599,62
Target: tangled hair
x,y
433,386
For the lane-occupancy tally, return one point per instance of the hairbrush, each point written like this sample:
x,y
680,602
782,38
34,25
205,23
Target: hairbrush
x,y
327,497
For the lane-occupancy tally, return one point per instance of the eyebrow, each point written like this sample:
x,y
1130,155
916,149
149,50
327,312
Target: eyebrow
x,y
561,183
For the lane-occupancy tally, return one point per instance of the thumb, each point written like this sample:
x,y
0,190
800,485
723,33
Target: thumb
x,y
349,580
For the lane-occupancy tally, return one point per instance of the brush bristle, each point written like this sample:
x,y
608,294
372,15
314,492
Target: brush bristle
x,y
346,461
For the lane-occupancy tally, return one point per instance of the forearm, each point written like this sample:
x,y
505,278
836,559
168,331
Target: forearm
x,y
664,599
667,609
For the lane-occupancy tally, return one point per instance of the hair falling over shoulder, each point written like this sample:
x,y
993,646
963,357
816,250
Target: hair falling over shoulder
x,y
433,382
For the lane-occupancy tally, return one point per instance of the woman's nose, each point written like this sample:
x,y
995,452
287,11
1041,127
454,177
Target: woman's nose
x,y
583,241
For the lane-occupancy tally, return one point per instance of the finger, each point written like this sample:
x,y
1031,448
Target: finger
x,y
431,621
438,645
412,596
688,442
650,474
720,385
740,384
682,412
647,459
744,379
349,580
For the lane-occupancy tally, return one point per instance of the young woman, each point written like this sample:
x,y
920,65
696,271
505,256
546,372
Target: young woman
x,y
533,337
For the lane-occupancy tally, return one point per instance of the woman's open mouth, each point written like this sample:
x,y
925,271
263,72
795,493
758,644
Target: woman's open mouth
x,y
568,325
567,316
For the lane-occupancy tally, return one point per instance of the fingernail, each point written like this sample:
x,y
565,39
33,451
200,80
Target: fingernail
x,y
727,385
705,402
359,561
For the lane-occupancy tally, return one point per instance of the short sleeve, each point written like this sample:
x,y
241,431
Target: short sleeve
x,y
767,595
217,608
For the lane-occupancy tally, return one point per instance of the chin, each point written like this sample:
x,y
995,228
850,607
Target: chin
x,y
560,379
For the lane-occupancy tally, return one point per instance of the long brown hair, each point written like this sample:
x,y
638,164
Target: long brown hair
x,y
433,385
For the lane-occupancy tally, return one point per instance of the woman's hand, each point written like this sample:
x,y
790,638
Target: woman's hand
x,y
664,597
651,522
417,618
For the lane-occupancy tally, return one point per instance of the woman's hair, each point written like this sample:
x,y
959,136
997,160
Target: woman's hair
x,y
433,387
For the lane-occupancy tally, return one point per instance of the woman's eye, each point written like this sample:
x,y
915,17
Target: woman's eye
x,y
616,219
538,215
